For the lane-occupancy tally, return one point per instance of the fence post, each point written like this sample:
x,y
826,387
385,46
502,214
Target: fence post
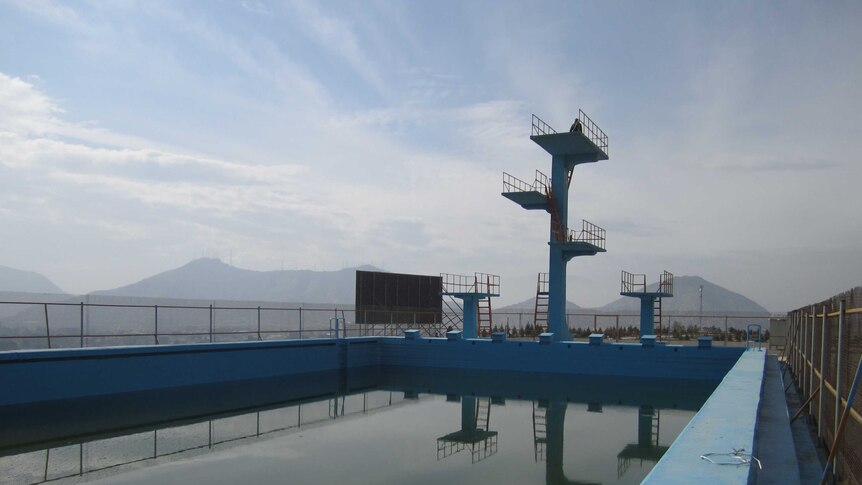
x,y
82,324
211,323
156,323
839,365
820,398
811,356
258,322
617,318
300,323
47,326
725,330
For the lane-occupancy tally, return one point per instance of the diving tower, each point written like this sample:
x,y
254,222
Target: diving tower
x,y
634,285
585,142
475,292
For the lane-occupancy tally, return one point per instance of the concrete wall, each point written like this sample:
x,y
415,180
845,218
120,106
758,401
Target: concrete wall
x,y
45,375
628,360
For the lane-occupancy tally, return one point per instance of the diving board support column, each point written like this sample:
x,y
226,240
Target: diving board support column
x,y
647,315
471,310
557,260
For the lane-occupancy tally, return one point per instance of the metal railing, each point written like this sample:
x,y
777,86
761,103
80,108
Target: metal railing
x,y
632,283
477,283
593,132
665,284
38,325
541,183
541,128
589,233
636,283
70,327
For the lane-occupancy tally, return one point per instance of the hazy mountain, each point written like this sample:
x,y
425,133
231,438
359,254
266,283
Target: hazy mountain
x,y
529,305
16,280
717,300
211,279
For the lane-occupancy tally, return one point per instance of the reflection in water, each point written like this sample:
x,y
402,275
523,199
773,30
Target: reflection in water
x,y
89,457
531,430
474,433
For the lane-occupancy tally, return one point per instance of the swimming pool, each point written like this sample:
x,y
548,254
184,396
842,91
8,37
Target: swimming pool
x,y
372,425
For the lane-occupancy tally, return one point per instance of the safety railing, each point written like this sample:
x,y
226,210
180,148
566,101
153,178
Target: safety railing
x,y
665,284
177,324
488,283
632,283
593,132
477,283
541,128
38,325
589,233
541,183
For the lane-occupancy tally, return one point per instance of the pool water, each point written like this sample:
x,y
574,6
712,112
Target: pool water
x,y
406,426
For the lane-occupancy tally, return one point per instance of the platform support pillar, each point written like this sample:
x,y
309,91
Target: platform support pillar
x,y
647,315
557,260
471,310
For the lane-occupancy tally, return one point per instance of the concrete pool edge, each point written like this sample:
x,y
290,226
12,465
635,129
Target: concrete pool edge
x,y
727,421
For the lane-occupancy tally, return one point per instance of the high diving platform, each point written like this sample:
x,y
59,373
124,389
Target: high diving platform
x,y
585,142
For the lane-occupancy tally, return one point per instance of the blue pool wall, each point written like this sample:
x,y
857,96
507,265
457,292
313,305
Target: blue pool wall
x,y
46,375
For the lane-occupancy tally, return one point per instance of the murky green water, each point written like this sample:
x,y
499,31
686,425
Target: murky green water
x,y
405,427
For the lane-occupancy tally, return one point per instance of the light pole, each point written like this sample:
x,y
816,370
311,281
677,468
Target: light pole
x,y
700,315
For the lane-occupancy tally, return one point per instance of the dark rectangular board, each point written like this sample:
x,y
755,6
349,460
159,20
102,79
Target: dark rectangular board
x,y
398,298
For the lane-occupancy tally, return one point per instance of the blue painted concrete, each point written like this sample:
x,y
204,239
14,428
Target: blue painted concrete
x,y
577,358
37,376
726,422
44,375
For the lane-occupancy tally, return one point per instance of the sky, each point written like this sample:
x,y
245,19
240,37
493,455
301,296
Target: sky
x,y
137,136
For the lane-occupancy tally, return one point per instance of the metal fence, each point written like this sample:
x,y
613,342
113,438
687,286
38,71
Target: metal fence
x,y
823,350
40,325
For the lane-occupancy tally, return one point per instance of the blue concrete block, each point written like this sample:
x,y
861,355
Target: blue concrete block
x,y
704,342
546,338
498,337
648,341
596,338
454,335
411,334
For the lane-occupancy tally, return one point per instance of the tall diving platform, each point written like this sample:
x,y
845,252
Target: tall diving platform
x,y
634,285
585,142
475,292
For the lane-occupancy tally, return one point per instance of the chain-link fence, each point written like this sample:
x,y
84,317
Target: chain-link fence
x,y
823,350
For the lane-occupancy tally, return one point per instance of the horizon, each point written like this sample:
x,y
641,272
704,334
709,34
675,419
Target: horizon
x,y
139,136
504,301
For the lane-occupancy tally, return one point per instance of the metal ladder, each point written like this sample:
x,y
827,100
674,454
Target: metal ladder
x,y
656,316
540,431
540,315
483,413
485,322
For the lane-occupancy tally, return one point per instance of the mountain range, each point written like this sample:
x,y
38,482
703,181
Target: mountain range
x,y
16,280
211,279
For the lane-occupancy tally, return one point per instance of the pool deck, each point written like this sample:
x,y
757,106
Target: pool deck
x,y
747,411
